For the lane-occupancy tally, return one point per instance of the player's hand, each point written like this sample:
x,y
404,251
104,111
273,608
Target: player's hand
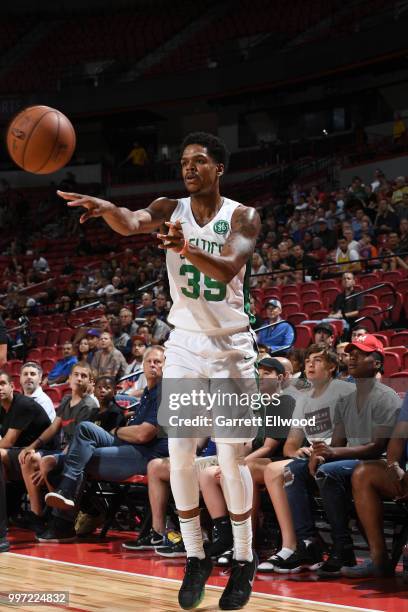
x,y
174,239
95,206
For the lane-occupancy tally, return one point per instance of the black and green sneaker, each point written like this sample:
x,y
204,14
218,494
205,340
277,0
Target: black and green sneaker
x,y
192,589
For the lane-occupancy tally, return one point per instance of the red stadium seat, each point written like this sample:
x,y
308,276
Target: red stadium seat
x,y
290,308
49,352
383,338
41,337
54,393
310,295
297,318
289,297
328,284
328,296
52,337
405,360
303,336
65,335
309,286
370,299
34,355
374,312
391,277
369,280
399,339
311,306
16,381
392,363
47,365
15,366
320,314
399,350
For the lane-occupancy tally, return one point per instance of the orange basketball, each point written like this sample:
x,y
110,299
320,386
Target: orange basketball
x,y
41,140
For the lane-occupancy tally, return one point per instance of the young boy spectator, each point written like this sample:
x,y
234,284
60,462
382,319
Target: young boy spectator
x,y
363,422
34,460
318,402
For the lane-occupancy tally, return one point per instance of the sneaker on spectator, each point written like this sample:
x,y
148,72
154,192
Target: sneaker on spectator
x,y
4,545
58,531
64,497
147,542
87,523
304,558
338,558
173,545
367,569
225,559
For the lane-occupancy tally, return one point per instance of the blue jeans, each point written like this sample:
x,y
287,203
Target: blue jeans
x,y
334,482
101,455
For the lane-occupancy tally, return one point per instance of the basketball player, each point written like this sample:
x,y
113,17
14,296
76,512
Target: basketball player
x,y
209,243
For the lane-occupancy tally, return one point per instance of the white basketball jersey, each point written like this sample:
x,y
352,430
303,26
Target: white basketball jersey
x,y
200,303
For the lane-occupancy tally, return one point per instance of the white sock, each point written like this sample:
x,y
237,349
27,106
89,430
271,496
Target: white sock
x,y
242,532
285,553
192,537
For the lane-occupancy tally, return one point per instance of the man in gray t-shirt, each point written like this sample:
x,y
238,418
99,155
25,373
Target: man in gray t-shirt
x,y
363,421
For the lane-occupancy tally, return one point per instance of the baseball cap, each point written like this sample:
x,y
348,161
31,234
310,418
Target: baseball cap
x,y
93,332
367,343
140,338
322,220
324,327
272,364
274,303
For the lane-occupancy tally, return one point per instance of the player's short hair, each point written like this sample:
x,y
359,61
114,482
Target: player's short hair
x,y
214,145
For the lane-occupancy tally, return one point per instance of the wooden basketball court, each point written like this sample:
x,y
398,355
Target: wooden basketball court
x,y
99,589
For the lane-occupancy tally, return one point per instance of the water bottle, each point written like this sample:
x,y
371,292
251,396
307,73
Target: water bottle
x,y
405,563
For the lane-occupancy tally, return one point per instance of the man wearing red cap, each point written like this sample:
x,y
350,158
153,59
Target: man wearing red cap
x,y
363,422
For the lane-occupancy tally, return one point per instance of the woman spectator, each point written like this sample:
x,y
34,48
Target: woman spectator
x,y
82,351
257,267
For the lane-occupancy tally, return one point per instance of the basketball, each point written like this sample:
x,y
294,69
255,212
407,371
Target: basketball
x,y
41,140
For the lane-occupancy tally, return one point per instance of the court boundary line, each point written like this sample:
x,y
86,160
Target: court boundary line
x,y
207,586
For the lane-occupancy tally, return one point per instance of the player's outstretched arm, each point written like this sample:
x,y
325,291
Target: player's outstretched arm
x,y
237,250
119,218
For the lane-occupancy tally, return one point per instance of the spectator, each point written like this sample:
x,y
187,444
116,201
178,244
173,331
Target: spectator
x,y
403,244
159,329
92,335
40,264
324,333
399,189
130,386
346,307
327,236
121,339
280,336
257,267
345,256
74,408
106,289
318,402
399,128
343,359
305,262
30,379
378,181
162,308
401,209
386,220
147,303
108,361
363,421
372,482
83,350
62,369
106,456
137,156
127,324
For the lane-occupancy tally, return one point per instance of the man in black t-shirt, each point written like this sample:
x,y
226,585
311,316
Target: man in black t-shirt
x,y
22,420
344,307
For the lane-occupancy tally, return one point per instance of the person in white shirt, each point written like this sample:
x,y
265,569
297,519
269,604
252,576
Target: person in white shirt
x,y
30,379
